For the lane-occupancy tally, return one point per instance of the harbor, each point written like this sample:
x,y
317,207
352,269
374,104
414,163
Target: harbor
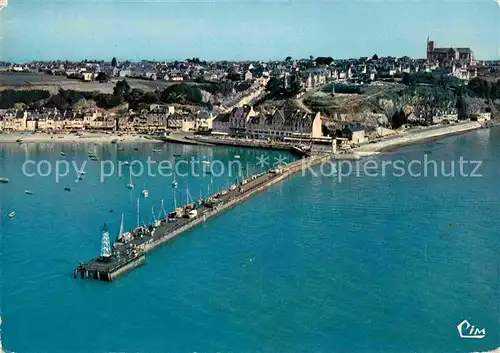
x,y
130,249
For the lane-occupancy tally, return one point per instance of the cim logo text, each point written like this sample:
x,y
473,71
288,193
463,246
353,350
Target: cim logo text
x,y
466,330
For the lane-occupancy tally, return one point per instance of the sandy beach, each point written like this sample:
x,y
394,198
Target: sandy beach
x,y
415,136
28,137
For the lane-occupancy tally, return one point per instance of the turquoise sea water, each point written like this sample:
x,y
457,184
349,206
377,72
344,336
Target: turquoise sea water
x,y
368,264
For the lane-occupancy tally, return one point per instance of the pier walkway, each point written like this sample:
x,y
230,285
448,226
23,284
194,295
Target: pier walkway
x,y
131,254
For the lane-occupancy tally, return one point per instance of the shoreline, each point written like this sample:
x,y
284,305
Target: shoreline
x,y
87,137
418,137
389,145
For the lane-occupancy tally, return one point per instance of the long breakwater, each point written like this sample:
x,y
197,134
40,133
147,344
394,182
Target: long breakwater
x,y
131,253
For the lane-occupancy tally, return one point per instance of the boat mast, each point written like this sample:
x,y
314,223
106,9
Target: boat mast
x,y
174,189
162,213
121,228
153,212
137,212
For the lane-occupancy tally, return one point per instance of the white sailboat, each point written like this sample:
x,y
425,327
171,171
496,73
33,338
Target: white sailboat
x,y
156,222
124,237
145,192
130,185
175,214
174,183
193,212
163,213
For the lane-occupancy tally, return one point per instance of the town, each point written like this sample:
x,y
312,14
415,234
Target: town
x,y
314,99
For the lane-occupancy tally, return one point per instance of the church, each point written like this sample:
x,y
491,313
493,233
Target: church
x,y
449,56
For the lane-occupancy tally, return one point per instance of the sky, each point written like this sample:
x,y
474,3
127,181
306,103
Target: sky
x,y
243,30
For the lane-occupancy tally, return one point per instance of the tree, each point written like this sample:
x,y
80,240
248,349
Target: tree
x,y
121,89
324,61
114,63
375,57
288,59
182,93
102,77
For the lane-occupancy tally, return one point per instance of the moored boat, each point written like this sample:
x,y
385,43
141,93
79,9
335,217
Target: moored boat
x,y
4,180
67,189
130,185
145,193
28,192
64,154
192,213
12,214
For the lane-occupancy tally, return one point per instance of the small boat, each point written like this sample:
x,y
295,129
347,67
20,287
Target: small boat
x,y
177,155
120,149
136,149
81,172
237,157
145,193
67,189
174,184
172,217
93,158
156,150
19,140
64,154
4,180
206,162
126,163
130,185
27,192
12,215
114,141
192,213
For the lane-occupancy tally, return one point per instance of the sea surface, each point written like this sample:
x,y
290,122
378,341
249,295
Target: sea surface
x,y
361,263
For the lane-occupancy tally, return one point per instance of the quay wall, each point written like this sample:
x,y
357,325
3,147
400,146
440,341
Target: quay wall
x,y
249,144
286,172
139,261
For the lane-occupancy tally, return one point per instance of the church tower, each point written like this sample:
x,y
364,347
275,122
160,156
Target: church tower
x,y
430,49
